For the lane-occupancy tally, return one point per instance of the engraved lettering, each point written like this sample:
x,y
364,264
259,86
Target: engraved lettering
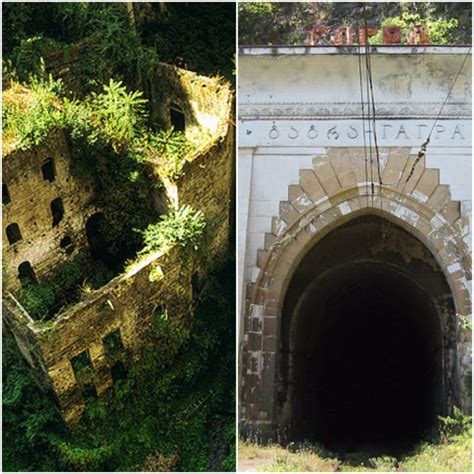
x,y
293,133
419,130
353,133
401,131
457,131
312,133
274,133
439,130
385,126
333,133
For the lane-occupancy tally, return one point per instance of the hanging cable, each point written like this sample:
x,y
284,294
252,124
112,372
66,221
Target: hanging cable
x,y
372,189
422,152
449,93
425,144
361,88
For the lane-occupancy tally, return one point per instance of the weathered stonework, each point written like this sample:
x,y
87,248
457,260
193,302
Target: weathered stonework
x,y
158,282
304,176
30,207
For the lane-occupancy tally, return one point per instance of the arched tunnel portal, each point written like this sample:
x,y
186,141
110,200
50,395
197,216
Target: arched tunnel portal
x,y
367,340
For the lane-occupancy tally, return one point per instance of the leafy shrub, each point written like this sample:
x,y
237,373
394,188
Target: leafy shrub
x,y
29,116
172,147
184,227
439,29
37,299
70,273
455,424
117,113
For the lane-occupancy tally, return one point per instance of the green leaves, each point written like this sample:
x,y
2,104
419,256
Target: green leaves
x,y
439,28
173,148
184,227
119,114
30,115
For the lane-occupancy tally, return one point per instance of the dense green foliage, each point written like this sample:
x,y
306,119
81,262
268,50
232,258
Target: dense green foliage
x,y
185,411
172,148
200,35
174,412
267,23
182,227
43,300
439,29
28,124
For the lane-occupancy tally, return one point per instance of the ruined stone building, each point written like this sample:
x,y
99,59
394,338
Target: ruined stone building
x,y
49,216
355,297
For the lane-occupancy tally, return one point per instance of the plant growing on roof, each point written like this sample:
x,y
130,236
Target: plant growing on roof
x,y
119,114
172,147
184,227
30,115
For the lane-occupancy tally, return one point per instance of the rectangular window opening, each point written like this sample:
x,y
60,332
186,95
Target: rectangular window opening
x,y
113,343
48,170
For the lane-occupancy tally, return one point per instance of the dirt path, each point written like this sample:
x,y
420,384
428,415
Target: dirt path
x,y
255,464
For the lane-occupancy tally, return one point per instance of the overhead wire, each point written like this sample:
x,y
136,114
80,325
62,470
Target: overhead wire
x,y
422,152
361,88
371,103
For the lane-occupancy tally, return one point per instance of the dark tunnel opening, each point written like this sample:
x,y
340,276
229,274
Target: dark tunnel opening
x,y
361,341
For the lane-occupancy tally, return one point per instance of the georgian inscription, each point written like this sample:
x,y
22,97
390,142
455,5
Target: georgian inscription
x,y
387,131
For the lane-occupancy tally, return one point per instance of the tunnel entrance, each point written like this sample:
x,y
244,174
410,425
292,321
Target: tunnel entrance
x,y
364,321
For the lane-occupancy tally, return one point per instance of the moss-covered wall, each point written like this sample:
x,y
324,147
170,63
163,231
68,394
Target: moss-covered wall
x,y
30,208
127,303
204,101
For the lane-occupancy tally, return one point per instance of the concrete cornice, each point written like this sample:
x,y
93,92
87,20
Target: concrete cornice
x,y
302,50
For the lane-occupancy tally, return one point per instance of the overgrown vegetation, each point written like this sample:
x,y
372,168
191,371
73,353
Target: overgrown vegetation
x,y
42,300
109,141
184,227
175,413
267,23
30,115
450,452
439,29
181,417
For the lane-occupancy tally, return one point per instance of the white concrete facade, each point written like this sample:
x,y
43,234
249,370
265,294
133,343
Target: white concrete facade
x,y
296,102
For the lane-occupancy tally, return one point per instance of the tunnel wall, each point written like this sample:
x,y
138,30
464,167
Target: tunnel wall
x,y
302,174
392,293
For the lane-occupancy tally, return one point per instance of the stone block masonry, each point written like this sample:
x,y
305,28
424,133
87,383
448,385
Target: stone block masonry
x,y
34,180
87,347
306,171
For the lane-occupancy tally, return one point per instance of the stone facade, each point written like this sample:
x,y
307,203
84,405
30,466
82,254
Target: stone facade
x,y
121,314
30,197
303,174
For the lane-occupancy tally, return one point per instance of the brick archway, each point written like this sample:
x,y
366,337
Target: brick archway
x,y
327,196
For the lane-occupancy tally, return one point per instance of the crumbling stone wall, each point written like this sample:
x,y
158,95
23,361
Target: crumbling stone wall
x,y
128,303
204,101
29,206
206,184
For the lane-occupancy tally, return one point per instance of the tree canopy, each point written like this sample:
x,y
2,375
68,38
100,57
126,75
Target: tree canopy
x,y
266,23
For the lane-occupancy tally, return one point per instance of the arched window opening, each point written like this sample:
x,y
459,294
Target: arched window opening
x,y
65,242
26,274
82,365
13,233
57,209
113,343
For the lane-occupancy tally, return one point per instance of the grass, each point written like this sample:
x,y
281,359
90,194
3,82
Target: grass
x,y
452,455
